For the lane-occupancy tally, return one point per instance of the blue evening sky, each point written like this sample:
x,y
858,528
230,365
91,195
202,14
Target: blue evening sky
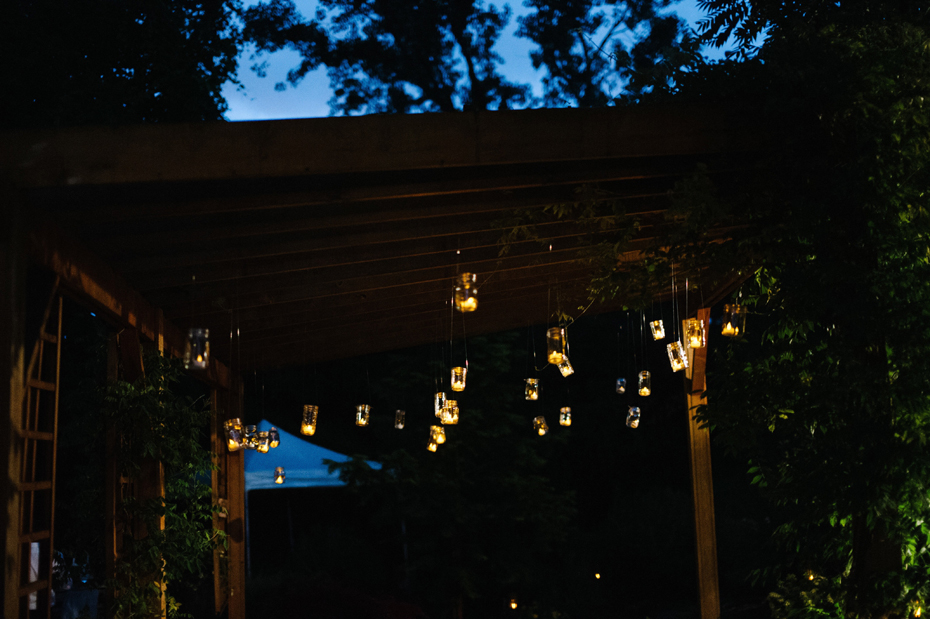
x,y
258,100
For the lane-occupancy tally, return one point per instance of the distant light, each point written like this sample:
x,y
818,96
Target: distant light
x,y
513,603
93,314
598,576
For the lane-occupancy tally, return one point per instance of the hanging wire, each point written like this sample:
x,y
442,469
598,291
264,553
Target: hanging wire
x,y
368,380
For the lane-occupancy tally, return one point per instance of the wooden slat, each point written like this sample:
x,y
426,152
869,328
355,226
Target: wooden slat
x,y
43,385
32,486
35,536
32,587
36,435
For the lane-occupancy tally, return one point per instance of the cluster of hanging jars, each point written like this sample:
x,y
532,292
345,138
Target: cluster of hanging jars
x,y
248,437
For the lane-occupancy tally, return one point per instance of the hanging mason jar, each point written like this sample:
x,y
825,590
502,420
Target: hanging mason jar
x,y
658,330
466,295
362,412
250,439
197,349
632,417
621,386
565,416
432,445
279,475
677,357
566,367
437,434
539,424
399,418
264,442
645,383
513,603
450,413
695,333
734,320
233,429
308,423
555,343
458,379
532,389
439,400
274,437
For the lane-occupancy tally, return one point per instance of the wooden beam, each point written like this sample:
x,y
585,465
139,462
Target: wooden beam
x,y
98,286
353,145
702,485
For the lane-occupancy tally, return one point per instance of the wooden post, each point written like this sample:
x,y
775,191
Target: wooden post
x,y
235,524
702,483
219,404
12,383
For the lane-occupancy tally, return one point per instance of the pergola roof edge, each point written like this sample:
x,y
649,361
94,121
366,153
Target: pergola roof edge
x,y
284,148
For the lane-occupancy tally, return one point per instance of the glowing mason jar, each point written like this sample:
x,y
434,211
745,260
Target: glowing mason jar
x,y
513,603
621,386
658,329
274,437
399,418
197,349
677,357
437,434
645,383
632,417
539,424
565,416
696,333
439,400
362,411
734,320
279,475
466,295
458,379
264,442
532,389
432,445
308,423
555,344
450,413
233,430
566,367
250,437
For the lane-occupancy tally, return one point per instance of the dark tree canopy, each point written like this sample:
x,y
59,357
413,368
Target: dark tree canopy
x,y
387,56
95,62
594,51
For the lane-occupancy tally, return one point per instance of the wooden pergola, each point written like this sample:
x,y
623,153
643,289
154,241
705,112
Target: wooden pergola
x,y
307,240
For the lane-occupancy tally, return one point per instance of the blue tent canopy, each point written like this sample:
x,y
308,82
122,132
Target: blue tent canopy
x,y
302,462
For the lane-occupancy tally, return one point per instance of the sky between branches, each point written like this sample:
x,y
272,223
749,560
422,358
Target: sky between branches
x,y
258,99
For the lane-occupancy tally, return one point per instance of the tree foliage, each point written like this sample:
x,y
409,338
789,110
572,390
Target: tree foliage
x,y
156,423
595,52
92,62
828,395
386,56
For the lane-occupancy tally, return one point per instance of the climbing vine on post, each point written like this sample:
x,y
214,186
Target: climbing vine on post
x,y
157,423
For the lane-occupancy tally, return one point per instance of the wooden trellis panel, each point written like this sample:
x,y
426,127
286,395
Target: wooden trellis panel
x,y
38,436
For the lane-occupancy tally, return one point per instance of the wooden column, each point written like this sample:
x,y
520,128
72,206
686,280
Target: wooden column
x,y
702,483
12,382
219,405
235,523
